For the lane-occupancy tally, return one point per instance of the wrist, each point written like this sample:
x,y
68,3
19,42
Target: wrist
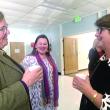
x,y
25,86
94,96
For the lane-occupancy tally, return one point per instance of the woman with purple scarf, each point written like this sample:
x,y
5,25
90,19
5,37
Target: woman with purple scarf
x,y
43,94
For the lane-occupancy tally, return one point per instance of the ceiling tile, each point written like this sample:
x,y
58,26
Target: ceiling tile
x,y
44,13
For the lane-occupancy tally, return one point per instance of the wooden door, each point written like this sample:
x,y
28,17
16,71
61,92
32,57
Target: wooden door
x,y
70,55
17,51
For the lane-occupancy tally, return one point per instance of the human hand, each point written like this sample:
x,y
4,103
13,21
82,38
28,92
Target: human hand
x,y
30,77
81,84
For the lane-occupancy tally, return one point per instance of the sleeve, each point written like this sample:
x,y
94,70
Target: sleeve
x,y
13,96
25,86
105,102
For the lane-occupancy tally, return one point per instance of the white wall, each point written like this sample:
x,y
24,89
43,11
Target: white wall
x,y
21,35
85,42
27,36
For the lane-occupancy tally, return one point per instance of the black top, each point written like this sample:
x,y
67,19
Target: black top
x,y
93,60
100,81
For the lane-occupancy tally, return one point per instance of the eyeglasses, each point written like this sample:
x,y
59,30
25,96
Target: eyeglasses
x,y
3,28
100,29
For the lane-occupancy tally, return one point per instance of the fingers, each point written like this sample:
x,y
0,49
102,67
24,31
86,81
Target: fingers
x,y
75,83
30,77
40,78
81,84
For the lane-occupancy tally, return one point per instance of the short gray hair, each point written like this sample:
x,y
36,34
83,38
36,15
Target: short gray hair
x,y
1,16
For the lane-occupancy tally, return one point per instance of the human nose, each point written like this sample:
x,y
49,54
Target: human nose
x,y
97,35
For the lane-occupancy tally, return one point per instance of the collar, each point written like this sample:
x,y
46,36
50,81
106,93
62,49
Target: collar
x,y
2,52
104,58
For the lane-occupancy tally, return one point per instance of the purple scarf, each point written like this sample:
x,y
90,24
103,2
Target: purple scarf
x,y
46,92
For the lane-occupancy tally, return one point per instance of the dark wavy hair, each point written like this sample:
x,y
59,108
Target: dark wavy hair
x,y
38,37
103,21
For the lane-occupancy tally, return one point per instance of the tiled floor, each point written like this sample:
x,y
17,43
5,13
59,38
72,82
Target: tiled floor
x,y
69,98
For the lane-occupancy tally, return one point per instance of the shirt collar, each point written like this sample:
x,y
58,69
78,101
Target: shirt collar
x,y
104,58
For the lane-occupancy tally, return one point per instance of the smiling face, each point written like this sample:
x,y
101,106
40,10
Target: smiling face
x,y
103,31
104,36
3,33
42,46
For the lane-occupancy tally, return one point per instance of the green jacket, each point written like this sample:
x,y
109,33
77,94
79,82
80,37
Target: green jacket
x,y
13,95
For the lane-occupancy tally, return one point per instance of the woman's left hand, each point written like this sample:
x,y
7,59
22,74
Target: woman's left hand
x,y
81,84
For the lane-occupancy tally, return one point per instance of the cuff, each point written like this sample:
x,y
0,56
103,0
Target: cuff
x,y
25,86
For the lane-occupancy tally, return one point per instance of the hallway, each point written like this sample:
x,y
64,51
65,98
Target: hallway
x,y
69,98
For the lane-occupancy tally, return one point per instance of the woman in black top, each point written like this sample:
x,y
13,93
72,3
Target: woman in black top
x,y
96,90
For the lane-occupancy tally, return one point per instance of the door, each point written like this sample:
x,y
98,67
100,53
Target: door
x,y
17,51
70,55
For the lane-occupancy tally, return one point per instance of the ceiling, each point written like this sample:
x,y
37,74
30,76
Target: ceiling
x,y
41,14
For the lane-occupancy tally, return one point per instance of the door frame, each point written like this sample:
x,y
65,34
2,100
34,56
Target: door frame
x,y
62,56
